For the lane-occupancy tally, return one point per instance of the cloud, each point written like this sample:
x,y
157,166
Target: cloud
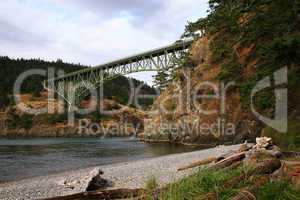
x,y
13,34
113,8
92,31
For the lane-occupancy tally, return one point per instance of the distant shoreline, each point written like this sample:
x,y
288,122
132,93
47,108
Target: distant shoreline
x,y
132,174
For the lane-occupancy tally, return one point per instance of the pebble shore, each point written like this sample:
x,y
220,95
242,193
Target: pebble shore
x,y
123,175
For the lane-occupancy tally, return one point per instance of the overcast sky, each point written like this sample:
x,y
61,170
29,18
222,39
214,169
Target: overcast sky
x,y
91,32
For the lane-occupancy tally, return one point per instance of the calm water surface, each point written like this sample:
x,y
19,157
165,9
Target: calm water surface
x,y
23,158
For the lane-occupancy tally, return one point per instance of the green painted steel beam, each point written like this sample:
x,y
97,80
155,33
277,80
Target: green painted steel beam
x,y
177,46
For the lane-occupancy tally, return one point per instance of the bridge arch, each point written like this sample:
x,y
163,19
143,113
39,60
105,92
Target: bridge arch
x,y
73,87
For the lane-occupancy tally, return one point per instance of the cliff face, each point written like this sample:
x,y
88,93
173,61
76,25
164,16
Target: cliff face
x,y
124,121
198,108
247,50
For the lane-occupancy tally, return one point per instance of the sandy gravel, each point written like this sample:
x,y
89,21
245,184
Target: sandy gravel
x,y
123,175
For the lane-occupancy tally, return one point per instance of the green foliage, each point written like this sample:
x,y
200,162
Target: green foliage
x,y
161,80
200,25
271,25
57,118
10,69
4,99
212,181
282,51
278,191
62,118
201,183
151,184
23,121
97,116
289,140
119,89
231,70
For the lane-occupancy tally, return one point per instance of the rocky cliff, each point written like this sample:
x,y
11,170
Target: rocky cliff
x,y
244,69
190,110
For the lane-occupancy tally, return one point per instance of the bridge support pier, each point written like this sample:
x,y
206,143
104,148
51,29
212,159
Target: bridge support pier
x,y
100,94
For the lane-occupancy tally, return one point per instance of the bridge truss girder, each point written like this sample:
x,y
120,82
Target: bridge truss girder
x,y
73,88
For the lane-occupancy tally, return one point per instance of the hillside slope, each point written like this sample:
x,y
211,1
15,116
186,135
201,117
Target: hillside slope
x,y
121,121
243,42
10,69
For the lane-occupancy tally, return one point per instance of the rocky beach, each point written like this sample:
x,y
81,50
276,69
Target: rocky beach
x,y
122,175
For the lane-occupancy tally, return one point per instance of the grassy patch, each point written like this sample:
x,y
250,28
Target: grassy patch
x,y
212,181
289,140
201,183
151,184
278,191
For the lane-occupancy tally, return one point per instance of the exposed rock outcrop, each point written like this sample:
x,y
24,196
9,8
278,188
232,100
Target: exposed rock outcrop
x,y
197,108
121,121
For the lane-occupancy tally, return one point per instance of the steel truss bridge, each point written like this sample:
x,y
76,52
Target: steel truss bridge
x,y
73,87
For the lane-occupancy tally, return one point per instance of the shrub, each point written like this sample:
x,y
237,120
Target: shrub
x,y
151,184
97,116
23,121
278,190
57,118
289,140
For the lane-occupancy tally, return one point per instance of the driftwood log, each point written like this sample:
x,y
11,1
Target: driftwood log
x,y
103,194
229,160
222,161
198,163
226,155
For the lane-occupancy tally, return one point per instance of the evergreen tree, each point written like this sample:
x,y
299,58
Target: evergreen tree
x,y
161,80
10,69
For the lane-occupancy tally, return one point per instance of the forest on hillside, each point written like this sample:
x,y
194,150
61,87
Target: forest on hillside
x,y
10,69
270,29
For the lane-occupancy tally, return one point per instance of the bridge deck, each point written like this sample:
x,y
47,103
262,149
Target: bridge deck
x,y
184,44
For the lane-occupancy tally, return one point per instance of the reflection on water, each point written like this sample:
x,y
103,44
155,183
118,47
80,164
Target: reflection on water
x,y
22,158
